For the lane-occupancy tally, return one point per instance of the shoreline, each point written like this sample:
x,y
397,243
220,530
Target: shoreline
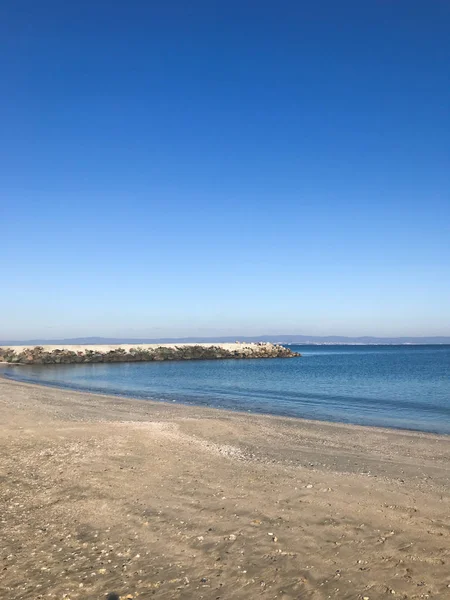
x,y
153,401
104,493
146,406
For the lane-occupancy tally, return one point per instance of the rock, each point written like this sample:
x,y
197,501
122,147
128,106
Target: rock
x,y
41,355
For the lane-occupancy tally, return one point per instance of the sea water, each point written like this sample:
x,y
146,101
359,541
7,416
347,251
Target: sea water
x,y
391,386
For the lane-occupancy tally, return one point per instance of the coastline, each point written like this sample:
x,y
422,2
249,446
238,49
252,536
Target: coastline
x,y
137,497
222,411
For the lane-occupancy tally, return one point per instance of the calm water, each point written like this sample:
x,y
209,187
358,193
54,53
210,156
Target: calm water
x,y
390,386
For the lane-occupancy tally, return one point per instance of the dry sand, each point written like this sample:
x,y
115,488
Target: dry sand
x,y
154,500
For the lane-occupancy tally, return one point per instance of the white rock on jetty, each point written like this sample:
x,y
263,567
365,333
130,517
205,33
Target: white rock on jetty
x,y
39,355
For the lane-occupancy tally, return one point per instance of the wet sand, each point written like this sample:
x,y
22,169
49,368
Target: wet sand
x,y
147,499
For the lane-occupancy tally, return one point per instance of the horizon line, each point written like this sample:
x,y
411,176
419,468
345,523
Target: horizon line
x,y
281,338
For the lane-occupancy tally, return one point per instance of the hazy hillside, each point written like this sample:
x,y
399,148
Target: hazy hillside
x,y
283,339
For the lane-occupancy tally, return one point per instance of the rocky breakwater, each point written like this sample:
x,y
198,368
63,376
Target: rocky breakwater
x,y
41,355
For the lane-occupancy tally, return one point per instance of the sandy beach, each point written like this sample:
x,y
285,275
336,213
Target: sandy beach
x,y
147,499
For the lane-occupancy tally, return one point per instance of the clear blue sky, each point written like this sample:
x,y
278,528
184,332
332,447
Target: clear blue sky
x,y
178,168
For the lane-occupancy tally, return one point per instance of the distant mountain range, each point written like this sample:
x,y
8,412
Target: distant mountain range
x,y
282,339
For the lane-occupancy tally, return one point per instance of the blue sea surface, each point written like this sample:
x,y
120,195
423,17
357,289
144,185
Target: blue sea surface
x,y
405,387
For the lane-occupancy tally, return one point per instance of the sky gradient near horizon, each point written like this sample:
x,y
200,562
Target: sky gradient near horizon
x,y
202,168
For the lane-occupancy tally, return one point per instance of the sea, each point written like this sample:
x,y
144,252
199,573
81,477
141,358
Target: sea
x,y
406,387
